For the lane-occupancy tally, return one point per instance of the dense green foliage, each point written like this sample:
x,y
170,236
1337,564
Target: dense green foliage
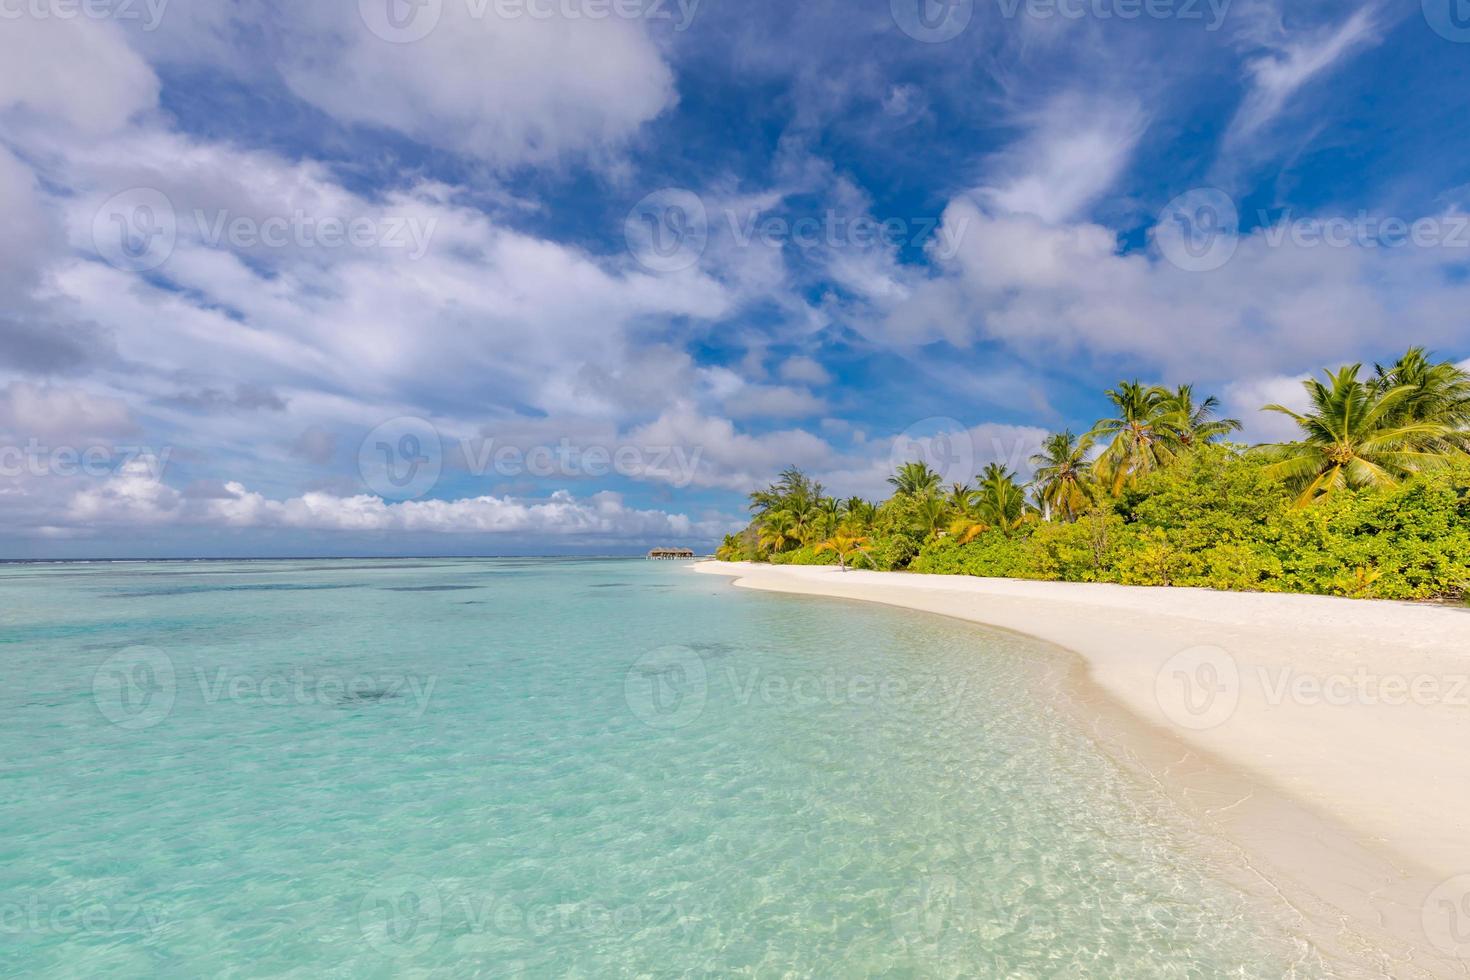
x,y
1372,502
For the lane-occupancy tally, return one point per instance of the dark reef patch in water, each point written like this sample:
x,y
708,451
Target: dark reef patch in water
x,y
373,696
201,589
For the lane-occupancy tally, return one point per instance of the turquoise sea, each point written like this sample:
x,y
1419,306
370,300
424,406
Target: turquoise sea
x,y
565,768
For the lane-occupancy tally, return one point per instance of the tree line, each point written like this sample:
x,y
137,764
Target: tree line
x,y
1093,508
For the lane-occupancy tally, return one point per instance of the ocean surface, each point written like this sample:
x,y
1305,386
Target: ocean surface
x,y
565,768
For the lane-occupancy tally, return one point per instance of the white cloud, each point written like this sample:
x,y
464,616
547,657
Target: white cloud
x,y
1076,148
79,70
43,412
512,90
1277,76
1069,290
1246,399
136,496
804,370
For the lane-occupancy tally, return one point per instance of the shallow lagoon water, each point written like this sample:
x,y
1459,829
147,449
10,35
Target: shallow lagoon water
x,y
550,768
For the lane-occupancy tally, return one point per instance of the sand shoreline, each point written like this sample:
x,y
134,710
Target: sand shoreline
x,y
1322,736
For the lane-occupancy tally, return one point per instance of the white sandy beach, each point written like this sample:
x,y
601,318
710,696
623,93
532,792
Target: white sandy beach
x,y
1325,737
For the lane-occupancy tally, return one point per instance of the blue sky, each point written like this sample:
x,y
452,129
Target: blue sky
x,y
560,276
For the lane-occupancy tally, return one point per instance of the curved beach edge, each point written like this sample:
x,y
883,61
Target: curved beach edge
x,y
1319,738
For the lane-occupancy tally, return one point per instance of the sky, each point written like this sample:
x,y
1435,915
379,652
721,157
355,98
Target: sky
x,y
442,277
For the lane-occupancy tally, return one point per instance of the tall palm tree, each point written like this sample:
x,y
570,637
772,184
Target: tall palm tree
x,y
1001,501
1195,424
915,479
930,514
1355,436
1139,437
1063,477
960,497
1440,392
828,516
859,513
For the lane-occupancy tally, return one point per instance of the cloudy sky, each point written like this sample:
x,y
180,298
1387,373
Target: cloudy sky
x,y
549,276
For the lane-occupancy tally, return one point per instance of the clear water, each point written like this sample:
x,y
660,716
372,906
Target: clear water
x,y
562,768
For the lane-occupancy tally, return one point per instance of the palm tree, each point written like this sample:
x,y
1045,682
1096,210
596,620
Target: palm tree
x,y
859,513
930,515
1195,424
960,496
1139,437
845,546
730,549
778,530
915,479
1355,436
1063,478
1441,392
1001,501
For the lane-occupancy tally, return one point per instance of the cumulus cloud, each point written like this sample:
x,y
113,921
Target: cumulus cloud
x,y
135,495
77,70
511,89
1072,289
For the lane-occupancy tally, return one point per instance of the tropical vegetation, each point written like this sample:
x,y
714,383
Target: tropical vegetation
x,y
1371,499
